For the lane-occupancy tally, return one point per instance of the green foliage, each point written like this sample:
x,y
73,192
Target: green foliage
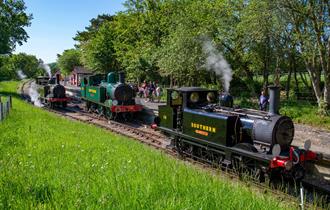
x,y
98,53
13,19
162,40
68,60
10,65
27,63
304,112
54,67
91,30
49,162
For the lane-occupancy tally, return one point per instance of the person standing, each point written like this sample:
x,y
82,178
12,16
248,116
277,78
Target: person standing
x,y
151,91
263,101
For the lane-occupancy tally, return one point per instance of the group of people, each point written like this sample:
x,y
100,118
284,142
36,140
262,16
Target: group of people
x,y
150,91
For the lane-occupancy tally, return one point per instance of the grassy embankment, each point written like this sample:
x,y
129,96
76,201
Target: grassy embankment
x,y
50,162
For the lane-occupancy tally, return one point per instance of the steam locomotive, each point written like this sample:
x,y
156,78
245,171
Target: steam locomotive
x,y
205,126
109,95
54,94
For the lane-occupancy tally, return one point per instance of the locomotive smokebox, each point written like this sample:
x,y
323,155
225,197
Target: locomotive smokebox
x,y
121,77
274,99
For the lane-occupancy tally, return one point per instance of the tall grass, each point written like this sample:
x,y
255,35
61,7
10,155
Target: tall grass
x,y
50,162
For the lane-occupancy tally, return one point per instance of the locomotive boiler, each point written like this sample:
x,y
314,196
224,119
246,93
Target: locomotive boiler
x,y
205,127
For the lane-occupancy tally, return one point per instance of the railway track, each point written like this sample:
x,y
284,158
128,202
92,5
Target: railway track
x,y
146,135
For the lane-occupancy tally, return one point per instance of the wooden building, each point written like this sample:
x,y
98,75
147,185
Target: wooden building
x,y
77,74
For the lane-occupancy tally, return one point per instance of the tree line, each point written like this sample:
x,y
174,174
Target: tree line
x,y
163,40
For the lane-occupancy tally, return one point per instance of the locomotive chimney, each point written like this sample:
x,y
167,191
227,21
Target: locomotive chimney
x,y
274,99
121,77
58,79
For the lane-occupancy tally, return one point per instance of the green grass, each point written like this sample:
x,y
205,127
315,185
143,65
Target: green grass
x,y
305,113
48,162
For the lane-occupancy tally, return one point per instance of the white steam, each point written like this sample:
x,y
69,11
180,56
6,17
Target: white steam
x,y
217,63
20,74
46,68
34,95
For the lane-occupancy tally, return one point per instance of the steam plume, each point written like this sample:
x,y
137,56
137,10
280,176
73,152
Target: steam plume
x,y
34,95
46,68
217,63
20,74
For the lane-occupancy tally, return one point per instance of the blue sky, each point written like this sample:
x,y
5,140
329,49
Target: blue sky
x,y
55,22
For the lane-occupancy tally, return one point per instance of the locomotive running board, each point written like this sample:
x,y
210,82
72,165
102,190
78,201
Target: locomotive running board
x,y
228,151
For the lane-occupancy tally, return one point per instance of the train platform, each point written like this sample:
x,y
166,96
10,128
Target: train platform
x,y
149,105
72,90
150,109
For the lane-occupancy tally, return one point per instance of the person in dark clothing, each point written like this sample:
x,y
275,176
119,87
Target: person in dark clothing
x,y
263,101
151,90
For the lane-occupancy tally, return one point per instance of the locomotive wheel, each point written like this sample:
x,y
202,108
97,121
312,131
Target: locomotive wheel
x,y
64,104
87,106
101,111
179,146
246,166
108,114
128,116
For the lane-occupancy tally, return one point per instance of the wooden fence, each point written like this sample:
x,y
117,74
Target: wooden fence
x,y
5,106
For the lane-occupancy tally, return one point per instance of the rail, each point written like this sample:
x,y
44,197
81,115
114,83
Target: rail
x,y
5,106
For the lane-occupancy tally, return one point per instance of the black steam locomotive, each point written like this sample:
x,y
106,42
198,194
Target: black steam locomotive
x,y
54,94
205,127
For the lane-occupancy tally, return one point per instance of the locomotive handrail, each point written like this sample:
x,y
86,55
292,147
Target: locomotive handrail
x,y
267,117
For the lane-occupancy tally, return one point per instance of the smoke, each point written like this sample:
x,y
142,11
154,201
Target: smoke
x,y
217,63
34,95
46,68
20,74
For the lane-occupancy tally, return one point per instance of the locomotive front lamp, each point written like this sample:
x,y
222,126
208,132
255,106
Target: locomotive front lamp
x,y
276,151
115,102
174,95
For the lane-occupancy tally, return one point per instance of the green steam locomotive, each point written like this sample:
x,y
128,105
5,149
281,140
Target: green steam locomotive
x,y
109,95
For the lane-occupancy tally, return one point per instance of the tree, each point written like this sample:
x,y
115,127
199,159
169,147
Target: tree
x,y
310,23
68,60
98,53
13,19
6,72
28,64
53,67
90,31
